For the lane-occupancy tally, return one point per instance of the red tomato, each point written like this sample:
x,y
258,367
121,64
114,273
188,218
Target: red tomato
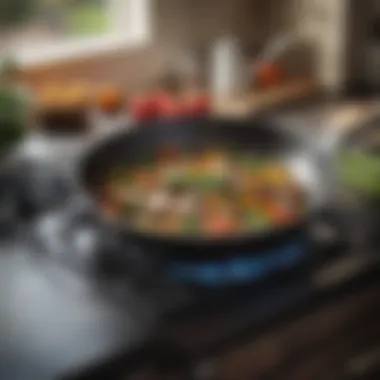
x,y
144,108
269,75
167,106
281,214
219,224
202,105
196,105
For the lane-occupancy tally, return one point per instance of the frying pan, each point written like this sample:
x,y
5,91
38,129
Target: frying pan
x,y
258,136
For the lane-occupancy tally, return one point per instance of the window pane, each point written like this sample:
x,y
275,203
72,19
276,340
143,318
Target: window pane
x,y
57,20
87,17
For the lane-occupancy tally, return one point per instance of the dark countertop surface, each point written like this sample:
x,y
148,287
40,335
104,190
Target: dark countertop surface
x,y
254,311
52,321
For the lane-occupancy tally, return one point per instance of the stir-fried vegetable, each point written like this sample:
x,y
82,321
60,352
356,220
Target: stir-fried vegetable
x,y
210,194
256,221
191,225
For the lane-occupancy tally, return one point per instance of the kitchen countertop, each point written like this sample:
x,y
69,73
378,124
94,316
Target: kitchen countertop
x,y
51,327
260,100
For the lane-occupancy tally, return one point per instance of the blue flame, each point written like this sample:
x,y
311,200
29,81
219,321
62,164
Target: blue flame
x,y
241,269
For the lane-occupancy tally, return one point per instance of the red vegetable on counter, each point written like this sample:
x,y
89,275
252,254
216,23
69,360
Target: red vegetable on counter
x,y
144,108
198,104
167,105
269,75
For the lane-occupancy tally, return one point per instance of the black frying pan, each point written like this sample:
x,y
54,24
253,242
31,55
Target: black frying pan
x,y
257,136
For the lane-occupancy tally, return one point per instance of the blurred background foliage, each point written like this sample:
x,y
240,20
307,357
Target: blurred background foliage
x,y
16,12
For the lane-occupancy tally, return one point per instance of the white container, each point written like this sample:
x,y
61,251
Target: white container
x,y
228,77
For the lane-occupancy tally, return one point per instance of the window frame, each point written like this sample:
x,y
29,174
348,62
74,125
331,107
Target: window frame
x,y
136,35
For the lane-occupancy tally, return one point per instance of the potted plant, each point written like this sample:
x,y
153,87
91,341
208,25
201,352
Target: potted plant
x,y
13,102
14,108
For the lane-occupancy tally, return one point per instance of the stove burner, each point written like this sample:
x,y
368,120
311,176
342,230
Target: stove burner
x,y
242,269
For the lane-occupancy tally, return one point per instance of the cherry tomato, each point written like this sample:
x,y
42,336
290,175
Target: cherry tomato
x,y
196,105
280,214
219,224
167,106
144,108
269,75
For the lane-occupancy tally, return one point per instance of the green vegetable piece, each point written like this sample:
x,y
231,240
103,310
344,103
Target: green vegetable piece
x,y
120,176
13,115
130,210
251,162
178,182
191,225
256,221
211,183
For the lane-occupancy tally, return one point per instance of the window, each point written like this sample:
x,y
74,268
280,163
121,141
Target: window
x,y
66,29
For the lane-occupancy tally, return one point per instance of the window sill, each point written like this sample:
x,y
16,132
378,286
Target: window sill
x,y
78,50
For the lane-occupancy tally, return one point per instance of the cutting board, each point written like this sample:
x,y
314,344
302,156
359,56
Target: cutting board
x,y
262,100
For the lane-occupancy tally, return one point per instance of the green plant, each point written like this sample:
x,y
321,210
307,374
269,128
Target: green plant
x,y
13,106
13,116
15,12
13,103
